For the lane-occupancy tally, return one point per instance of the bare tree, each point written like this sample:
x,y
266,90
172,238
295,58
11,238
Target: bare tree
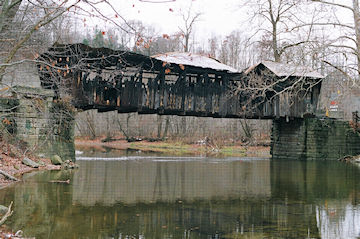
x,y
275,18
347,36
189,19
21,20
165,43
213,46
234,53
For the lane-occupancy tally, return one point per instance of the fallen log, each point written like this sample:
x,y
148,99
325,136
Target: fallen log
x,y
30,163
8,176
59,181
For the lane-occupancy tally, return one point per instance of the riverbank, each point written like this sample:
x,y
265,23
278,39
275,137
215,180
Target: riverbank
x,y
11,163
351,159
174,147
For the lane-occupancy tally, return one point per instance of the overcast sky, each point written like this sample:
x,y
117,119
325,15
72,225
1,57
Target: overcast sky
x,y
218,17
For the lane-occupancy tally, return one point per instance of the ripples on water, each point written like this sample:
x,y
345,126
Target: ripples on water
x,y
189,197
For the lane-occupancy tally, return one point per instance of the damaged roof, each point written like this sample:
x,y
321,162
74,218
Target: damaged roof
x,y
284,70
107,58
196,60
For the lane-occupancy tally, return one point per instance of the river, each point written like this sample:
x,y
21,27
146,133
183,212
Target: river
x,y
189,197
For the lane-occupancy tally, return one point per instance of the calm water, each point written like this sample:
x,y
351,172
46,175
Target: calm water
x,y
164,197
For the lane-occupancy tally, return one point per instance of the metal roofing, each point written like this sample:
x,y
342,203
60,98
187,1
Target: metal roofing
x,y
283,70
196,60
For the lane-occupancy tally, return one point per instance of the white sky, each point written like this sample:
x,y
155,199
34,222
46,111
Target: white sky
x,y
219,17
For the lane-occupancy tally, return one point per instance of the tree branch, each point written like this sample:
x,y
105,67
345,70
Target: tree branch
x,y
7,214
323,24
42,22
339,69
334,4
292,45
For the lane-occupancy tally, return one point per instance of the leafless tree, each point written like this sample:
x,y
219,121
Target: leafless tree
x,y
189,20
347,36
213,46
21,21
235,53
275,19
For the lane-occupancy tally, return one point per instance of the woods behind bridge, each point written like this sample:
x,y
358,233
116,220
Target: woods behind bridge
x,y
92,124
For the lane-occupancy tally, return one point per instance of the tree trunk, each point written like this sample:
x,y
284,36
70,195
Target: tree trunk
x,y
357,32
7,15
7,214
167,123
91,124
127,124
8,176
108,128
159,129
186,47
183,125
275,43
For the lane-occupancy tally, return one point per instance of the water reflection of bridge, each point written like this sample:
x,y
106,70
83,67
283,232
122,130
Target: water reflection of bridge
x,y
297,197
169,180
299,200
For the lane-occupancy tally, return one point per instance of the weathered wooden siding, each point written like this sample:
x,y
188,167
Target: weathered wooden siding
x,y
109,80
185,94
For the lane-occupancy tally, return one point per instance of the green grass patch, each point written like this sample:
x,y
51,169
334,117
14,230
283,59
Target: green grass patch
x,y
178,148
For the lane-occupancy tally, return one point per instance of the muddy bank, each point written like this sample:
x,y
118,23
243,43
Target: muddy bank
x,y
351,159
11,163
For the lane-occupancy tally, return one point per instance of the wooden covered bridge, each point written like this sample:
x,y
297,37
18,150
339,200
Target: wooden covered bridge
x,y
177,84
188,84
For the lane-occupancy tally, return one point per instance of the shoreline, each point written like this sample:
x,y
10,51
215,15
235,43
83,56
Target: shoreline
x,y
12,164
173,148
11,158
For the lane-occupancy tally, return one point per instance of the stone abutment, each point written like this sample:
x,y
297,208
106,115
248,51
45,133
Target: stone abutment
x,y
31,119
314,139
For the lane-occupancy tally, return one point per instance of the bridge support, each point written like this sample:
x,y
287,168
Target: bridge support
x,y
313,139
30,118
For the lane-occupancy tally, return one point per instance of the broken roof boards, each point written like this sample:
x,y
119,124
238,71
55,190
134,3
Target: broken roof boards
x,y
285,70
178,61
196,60
101,58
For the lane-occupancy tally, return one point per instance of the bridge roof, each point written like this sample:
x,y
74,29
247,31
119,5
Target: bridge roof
x,y
106,58
284,70
195,60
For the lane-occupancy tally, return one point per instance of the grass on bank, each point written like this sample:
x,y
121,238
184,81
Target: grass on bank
x,y
180,148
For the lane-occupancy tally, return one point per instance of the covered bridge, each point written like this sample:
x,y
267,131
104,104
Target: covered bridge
x,y
282,90
176,84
